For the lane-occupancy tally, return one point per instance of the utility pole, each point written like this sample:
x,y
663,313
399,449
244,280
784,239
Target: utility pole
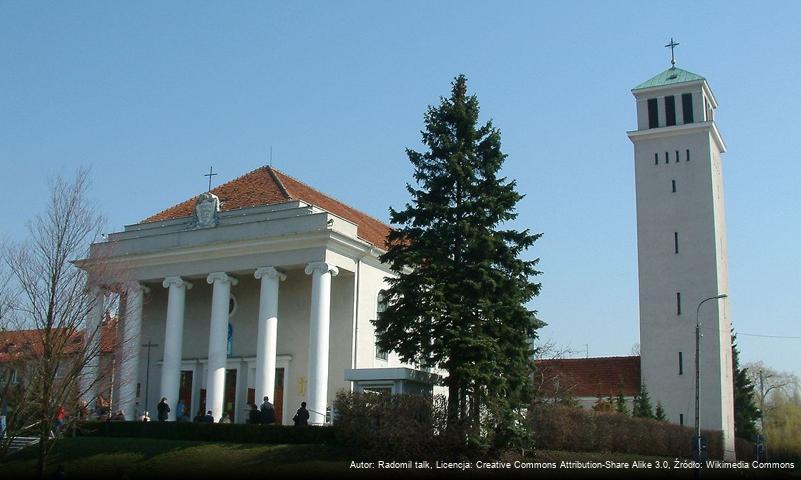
x,y
148,345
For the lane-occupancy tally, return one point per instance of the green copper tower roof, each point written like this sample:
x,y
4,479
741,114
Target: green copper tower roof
x,y
669,77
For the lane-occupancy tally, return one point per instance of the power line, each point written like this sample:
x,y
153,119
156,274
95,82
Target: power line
x,y
767,336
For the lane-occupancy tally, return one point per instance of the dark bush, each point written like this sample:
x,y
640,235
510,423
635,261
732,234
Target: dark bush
x,y
392,426
559,427
214,432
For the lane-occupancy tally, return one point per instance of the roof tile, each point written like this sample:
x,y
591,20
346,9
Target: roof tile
x,y
593,377
268,186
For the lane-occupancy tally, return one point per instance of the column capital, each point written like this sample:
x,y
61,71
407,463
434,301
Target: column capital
x,y
133,286
221,277
176,281
321,267
269,272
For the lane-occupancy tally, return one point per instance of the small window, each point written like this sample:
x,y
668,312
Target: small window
x,y
687,107
678,303
381,306
670,110
677,156
673,185
229,345
653,113
656,159
681,419
676,243
667,157
681,363
688,154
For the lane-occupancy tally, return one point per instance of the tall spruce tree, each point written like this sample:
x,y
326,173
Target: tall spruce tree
x,y
746,412
458,300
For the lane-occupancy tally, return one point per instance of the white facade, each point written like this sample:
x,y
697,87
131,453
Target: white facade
x,y
682,259
292,283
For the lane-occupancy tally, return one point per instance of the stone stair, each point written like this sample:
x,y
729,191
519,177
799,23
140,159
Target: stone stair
x,y
21,442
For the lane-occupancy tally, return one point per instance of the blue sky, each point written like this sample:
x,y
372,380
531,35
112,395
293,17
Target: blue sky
x,y
150,94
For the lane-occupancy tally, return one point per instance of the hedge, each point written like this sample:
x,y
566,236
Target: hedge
x,y
559,427
212,432
395,426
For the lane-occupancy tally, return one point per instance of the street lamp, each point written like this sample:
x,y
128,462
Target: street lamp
x,y
698,372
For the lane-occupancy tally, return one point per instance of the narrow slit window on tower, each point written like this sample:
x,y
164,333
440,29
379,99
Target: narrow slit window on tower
x,y
656,159
667,157
678,303
687,107
676,243
653,113
681,419
673,185
688,154
681,363
677,156
670,110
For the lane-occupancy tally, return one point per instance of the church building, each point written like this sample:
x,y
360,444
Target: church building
x,y
265,286
262,286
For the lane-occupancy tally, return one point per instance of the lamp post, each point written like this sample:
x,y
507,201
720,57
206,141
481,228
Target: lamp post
x,y
698,374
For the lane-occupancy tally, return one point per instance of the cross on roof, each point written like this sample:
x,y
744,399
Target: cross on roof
x,y
210,174
672,45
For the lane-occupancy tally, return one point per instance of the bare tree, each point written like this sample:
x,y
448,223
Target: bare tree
x,y
548,383
52,300
769,382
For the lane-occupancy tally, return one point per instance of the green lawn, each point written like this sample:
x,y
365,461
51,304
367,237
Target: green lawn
x,y
134,458
147,458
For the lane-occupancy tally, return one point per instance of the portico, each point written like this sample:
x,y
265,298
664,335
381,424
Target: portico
x,y
270,297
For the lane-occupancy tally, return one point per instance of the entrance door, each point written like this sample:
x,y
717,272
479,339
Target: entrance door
x,y
278,401
229,398
185,395
278,396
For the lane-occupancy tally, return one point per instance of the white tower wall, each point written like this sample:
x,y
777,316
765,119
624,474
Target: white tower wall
x,y
682,259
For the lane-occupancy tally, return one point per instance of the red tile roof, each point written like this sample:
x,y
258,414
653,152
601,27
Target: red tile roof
x,y
19,344
268,186
591,377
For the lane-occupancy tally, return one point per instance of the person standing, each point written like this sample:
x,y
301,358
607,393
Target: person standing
x,y
301,418
164,410
267,411
180,412
254,415
60,420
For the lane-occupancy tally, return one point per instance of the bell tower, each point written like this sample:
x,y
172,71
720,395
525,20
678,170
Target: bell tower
x,y
681,250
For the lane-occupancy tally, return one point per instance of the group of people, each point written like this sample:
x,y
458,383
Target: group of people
x,y
264,414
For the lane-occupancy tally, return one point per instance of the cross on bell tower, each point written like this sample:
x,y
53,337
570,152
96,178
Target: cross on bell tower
x,y
672,45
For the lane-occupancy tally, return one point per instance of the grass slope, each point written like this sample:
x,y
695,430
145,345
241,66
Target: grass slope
x,y
149,458
135,458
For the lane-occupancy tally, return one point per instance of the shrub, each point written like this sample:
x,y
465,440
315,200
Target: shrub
x,y
400,426
214,432
564,428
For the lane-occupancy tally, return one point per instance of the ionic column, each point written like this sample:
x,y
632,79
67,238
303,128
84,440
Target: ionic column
x,y
129,367
173,341
92,334
218,339
319,323
267,338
